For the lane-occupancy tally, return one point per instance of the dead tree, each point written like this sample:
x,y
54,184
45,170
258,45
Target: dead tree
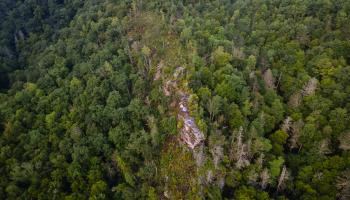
x,y
283,177
310,87
287,123
269,79
344,140
343,185
239,152
295,134
264,179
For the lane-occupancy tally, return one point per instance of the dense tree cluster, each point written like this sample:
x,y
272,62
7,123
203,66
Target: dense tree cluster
x,y
88,108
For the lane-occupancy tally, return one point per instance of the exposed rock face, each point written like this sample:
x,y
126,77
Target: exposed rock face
x,y
190,133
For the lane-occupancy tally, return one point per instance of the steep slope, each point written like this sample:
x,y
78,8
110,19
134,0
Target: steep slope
x,y
175,99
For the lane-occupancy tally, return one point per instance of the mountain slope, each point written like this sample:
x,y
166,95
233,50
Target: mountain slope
x,y
175,100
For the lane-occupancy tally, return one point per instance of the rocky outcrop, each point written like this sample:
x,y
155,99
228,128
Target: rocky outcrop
x,y
190,133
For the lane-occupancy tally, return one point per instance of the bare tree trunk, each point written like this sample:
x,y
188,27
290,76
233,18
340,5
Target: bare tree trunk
x,y
283,177
264,176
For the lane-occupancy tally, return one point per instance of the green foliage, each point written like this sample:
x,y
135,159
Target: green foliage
x,y
125,170
275,167
84,115
97,190
278,139
177,166
220,57
249,193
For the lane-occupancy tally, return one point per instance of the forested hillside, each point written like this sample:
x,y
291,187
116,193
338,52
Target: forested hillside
x,y
164,99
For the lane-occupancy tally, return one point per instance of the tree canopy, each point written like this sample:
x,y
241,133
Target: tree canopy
x,y
97,96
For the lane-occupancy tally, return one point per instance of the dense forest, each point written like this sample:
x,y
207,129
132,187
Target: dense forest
x,y
165,99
